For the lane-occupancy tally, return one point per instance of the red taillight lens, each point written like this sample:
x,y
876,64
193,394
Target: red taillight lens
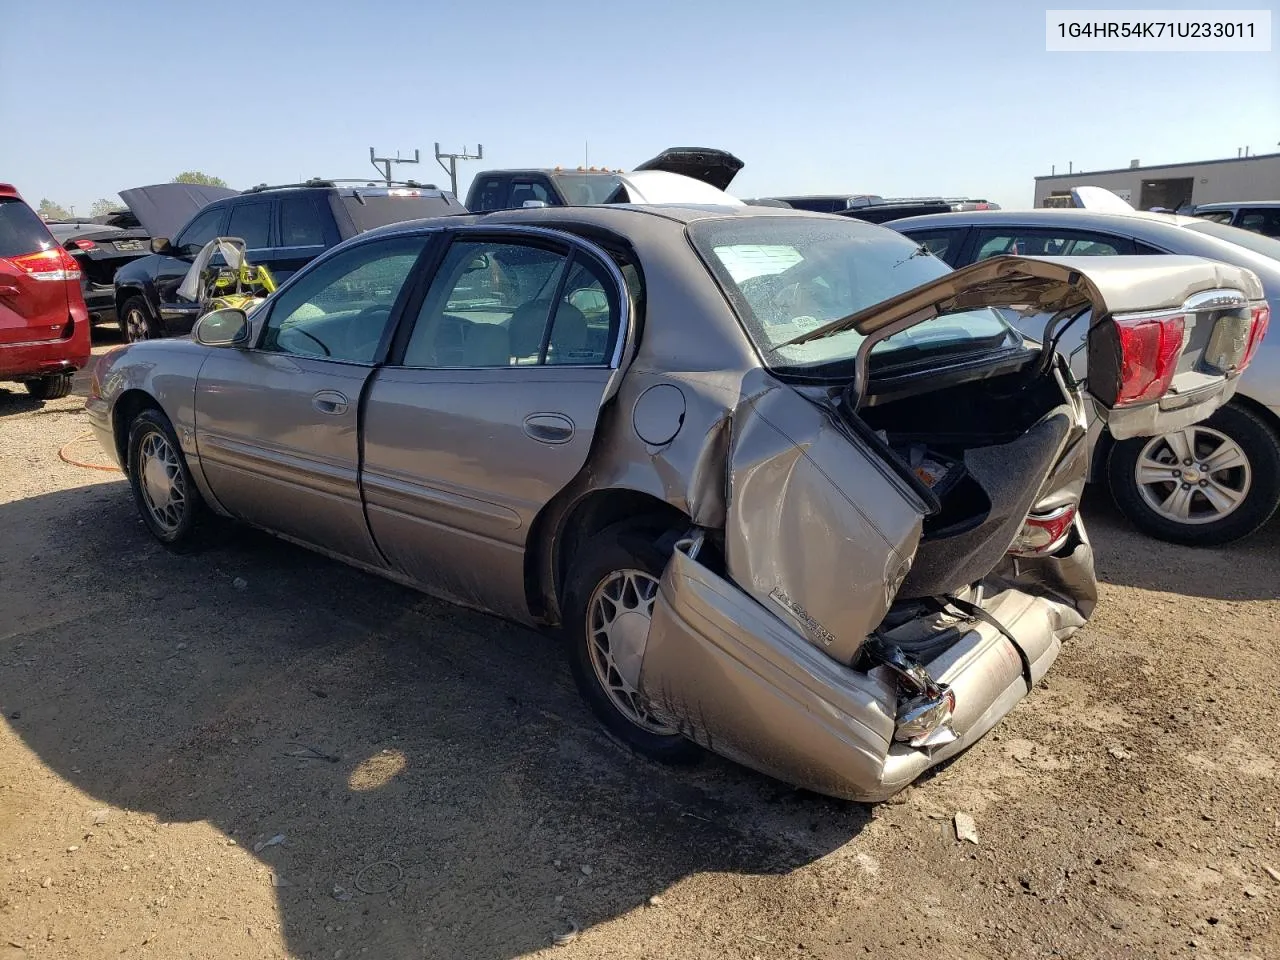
x,y
55,264
84,244
1261,320
1149,350
1043,533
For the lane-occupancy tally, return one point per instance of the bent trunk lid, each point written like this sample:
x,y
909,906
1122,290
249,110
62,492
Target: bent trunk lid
x,y
1212,297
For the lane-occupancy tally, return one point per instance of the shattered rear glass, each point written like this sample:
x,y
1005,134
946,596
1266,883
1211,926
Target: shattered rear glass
x,y
786,276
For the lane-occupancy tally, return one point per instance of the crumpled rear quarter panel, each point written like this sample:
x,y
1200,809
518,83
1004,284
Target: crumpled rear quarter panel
x,y
818,531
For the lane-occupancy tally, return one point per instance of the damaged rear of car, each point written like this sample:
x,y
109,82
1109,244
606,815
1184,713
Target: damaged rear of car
x,y
901,555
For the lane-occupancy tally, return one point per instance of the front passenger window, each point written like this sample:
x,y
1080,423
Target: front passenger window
x,y
340,310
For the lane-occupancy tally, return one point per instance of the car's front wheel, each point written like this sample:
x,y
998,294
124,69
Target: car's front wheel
x,y
1207,485
166,496
609,599
49,388
135,321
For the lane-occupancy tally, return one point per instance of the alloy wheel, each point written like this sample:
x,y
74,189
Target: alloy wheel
x,y
1197,475
135,325
164,486
619,614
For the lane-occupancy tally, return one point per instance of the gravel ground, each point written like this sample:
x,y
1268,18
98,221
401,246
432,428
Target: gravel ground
x,y
440,791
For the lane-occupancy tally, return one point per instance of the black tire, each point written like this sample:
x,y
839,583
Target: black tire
x,y
136,322
629,545
1260,445
50,388
183,532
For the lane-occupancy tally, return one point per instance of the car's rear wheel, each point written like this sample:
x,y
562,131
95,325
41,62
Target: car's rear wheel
x,y
1207,485
609,598
135,321
165,494
49,388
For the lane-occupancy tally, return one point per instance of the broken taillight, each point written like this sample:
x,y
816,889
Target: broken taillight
x,y
1043,533
1149,352
1261,320
55,264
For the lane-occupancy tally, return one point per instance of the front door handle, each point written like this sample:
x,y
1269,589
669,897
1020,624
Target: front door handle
x,y
331,402
549,427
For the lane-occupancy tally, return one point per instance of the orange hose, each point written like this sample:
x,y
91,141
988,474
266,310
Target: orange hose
x,y
62,455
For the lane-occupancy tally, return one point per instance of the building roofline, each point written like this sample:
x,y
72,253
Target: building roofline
x,y
1158,166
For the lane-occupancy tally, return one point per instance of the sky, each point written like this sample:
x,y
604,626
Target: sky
x,y
896,99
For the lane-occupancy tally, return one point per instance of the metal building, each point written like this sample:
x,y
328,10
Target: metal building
x,y
1172,185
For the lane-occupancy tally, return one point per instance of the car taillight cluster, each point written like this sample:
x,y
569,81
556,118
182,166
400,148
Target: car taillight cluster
x,y
1149,351
55,264
1261,320
1043,533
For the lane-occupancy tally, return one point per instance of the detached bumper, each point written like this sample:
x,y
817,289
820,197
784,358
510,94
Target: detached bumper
x,y
739,681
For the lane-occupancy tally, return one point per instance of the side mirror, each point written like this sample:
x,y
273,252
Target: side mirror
x,y
228,327
161,245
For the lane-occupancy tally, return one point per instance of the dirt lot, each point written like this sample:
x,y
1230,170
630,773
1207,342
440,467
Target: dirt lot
x,y
441,791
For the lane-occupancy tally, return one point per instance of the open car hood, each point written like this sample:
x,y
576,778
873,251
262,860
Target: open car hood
x,y
717,168
164,208
1107,285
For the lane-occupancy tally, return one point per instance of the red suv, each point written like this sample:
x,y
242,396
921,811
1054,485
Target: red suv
x,y
44,326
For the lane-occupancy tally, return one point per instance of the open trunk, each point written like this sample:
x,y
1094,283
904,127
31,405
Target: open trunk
x,y
901,558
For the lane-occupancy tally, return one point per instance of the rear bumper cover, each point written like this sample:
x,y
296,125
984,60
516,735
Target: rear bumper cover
x,y
733,677
42,358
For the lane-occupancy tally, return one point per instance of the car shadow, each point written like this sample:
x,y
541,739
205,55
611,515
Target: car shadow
x,y
1246,570
14,399
441,788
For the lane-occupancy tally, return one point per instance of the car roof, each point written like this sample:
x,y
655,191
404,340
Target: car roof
x,y
1234,204
1049,216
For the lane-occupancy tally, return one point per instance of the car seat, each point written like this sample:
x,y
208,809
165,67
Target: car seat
x,y
526,327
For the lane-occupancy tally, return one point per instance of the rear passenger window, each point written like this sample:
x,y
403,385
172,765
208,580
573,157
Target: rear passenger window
x,y
300,224
938,242
1265,222
251,222
1035,243
495,304
1217,216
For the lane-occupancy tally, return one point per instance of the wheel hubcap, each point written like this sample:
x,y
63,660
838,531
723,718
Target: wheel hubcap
x,y
163,485
1195,476
136,325
619,615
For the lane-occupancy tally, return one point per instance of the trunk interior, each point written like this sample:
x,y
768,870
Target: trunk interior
x,y
984,449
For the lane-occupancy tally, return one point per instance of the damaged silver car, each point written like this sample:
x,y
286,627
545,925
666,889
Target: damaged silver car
x,y
792,489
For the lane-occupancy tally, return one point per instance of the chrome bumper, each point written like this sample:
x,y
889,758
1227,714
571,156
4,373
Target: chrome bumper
x,y
733,677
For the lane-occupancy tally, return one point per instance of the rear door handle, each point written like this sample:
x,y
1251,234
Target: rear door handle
x,y
549,427
331,402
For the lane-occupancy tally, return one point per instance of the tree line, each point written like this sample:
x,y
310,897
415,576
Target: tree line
x,y
51,210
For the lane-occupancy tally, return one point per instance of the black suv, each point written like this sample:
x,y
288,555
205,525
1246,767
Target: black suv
x,y
283,229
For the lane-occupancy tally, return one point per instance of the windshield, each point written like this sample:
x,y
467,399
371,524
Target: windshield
x,y
585,189
1267,246
786,276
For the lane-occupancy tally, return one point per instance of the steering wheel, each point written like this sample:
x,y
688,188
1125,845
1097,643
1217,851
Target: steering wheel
x,y
366,348
298,330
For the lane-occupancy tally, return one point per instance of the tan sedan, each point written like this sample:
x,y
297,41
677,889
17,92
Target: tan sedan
x,y
791,488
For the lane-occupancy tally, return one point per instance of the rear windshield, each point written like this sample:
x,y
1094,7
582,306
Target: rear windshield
x,y
21,231
381,208
1267,246
786,276
586,189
